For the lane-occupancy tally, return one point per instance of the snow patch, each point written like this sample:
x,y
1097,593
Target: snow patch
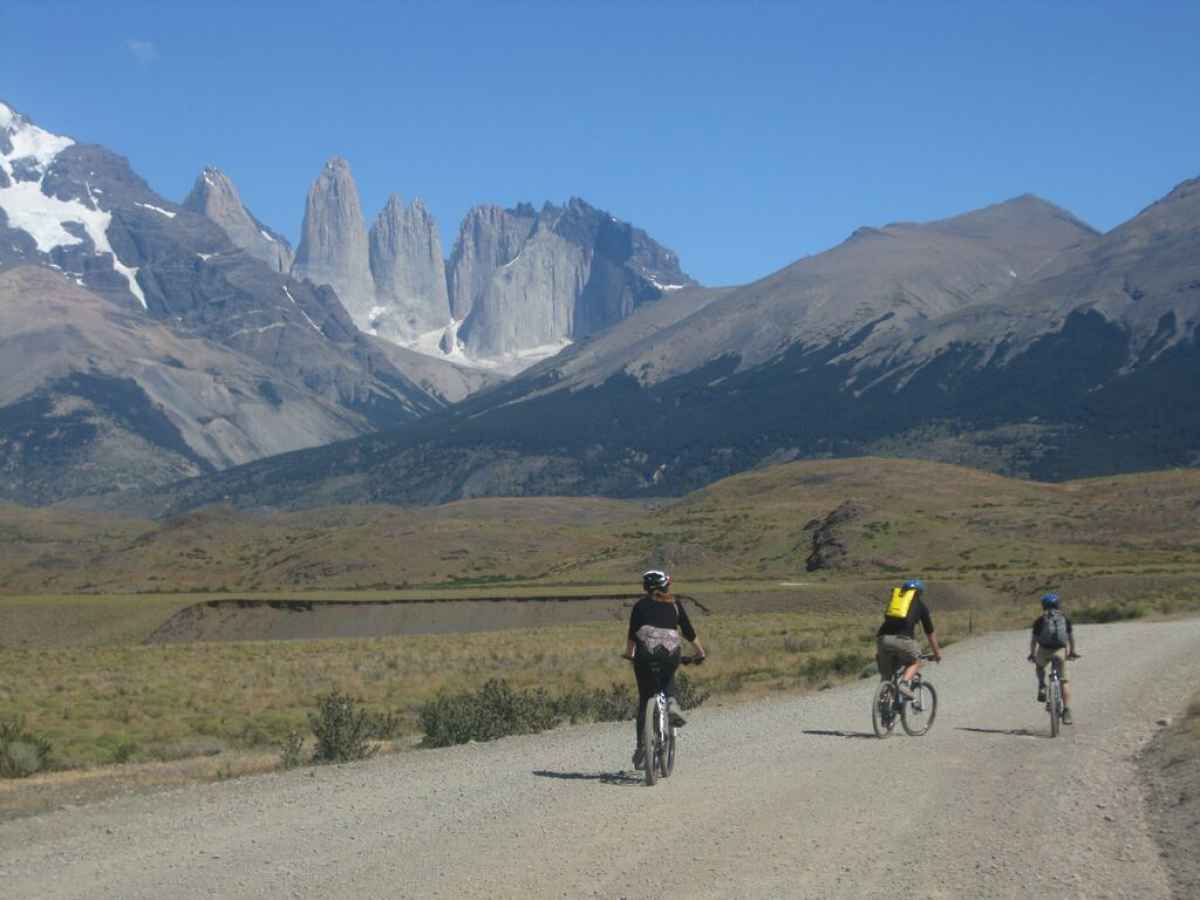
x,y
207,256
43,217
431,342
267,236
316,327
157,209
511,261
666,287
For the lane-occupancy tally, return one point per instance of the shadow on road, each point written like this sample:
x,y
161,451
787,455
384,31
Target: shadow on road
x,y
1014,732
831,732
621,779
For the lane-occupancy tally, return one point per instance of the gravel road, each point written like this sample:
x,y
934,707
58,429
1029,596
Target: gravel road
x,y
784,797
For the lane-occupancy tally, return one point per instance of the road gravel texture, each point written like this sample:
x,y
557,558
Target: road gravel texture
x,y
787,797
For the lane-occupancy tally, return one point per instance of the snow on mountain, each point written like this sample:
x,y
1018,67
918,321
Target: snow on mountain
x,y
26,155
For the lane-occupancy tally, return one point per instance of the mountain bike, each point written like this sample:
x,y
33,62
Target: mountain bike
x,y
888,704
658,732
1054,694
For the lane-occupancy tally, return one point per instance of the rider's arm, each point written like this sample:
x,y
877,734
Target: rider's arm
x,y
930,633
1070,639
933,642
699,649
630,648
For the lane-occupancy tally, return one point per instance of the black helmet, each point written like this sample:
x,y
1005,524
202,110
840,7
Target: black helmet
x,y
655,580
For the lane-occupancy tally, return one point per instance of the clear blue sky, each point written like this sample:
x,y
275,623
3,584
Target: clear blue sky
x,y
742,135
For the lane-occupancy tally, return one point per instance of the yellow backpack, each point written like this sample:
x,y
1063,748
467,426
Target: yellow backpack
x,y
901,602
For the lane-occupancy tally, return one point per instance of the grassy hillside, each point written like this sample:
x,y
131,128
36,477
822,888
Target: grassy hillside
x,y
908,516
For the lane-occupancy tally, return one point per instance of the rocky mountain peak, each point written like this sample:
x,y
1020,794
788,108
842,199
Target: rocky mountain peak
x,y
333,241
215,196
409,272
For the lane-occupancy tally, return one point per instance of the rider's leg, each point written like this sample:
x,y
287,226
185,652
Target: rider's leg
x,y
647,685
913,668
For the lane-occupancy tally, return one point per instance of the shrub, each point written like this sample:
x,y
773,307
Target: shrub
x,y
22,753
1102,615
689,695
497,710
842,663
494,711
291,753
343,731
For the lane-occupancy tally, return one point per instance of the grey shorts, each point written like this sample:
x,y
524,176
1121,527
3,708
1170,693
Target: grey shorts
x,y
893,651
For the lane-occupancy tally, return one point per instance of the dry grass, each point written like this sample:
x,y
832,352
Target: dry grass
x,y
941,520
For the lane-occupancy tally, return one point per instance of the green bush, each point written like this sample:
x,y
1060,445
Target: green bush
x,y
497,710
842,663
22,753
291,753
343,731
1102,615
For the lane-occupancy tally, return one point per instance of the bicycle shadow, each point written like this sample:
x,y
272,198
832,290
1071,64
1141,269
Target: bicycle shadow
x,y
1011,732
834,732
617,779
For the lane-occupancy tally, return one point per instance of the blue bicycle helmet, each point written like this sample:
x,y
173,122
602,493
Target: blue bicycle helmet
x,y
1050,601
913,584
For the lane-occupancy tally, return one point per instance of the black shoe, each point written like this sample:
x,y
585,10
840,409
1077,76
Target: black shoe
x,y
1041,695
639,758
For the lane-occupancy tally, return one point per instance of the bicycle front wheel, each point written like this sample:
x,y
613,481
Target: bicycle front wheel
x,y
919,712
666,758
883,709
1054,696
650,740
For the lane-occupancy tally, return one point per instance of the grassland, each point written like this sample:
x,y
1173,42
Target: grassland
x,y
84,591
941,520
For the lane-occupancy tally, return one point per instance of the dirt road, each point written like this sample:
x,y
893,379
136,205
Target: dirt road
x,y
780,798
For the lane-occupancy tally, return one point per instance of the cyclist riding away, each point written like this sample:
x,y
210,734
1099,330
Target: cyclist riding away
x,y
653,643
1053,638
895,643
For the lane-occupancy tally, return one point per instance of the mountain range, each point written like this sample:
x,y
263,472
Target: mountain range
x,y
146,341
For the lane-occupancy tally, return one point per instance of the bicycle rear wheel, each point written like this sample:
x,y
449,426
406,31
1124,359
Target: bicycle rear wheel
x,y
919,712
1054,704
650,740
883,709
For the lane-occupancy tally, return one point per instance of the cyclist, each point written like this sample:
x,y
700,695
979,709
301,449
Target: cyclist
x,y
895,643
653,643
1053,638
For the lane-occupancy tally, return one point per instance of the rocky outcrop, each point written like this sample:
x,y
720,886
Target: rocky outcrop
x,y
333,241
490,237
829,548
215,196
525,283
409,272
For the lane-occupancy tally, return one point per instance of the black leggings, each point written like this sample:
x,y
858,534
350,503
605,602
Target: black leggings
x,y
648,680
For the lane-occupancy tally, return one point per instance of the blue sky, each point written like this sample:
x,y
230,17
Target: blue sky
x,y
742,135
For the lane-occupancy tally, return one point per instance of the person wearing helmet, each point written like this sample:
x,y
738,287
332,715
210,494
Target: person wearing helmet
x,y
895,641
1053,638
653,643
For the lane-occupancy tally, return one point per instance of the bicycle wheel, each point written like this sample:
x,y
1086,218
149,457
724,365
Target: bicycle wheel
x,y
650,740
883,712
919,712
666,758
1054,704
